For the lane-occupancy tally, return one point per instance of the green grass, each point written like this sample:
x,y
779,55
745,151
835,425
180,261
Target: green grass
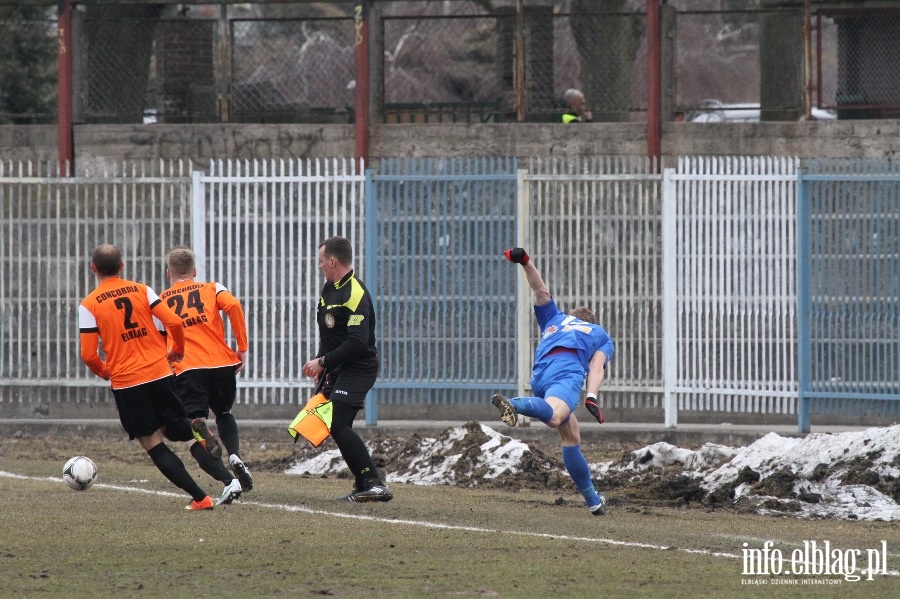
x,y
129,537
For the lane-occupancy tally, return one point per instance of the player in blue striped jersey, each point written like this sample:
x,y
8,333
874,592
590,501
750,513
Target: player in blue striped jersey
x,y
573,351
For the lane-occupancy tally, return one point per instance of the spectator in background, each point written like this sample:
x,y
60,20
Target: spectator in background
x,y
575,104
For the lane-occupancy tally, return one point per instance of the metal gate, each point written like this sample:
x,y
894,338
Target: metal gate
x,y
433,248
849,288
728,315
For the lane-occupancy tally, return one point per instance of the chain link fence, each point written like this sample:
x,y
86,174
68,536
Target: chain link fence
x,y
28,80
123,87
721,62
475,76
449,61
857,57
293,70
446,68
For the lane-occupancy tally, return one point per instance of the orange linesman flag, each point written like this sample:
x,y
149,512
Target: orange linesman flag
x,y
313,422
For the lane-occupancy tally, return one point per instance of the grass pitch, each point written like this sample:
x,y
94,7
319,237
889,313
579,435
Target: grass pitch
x,y
129,536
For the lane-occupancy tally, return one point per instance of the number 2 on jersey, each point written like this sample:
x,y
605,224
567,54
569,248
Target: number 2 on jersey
x,y
124,304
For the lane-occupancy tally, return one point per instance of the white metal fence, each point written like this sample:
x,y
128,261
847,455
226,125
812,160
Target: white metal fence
x,y
593,227
50,225
729,303
692,270
254,225
257,226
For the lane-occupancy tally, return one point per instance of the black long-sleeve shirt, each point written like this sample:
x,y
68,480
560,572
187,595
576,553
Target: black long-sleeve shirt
x,y
346,319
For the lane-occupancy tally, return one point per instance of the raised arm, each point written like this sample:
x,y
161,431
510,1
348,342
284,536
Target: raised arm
x,y
520,256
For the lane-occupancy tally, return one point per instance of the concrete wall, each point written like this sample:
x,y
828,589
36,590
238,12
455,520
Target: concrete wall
x,y
97,146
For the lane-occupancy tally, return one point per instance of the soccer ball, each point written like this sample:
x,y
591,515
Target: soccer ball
x,y
80,473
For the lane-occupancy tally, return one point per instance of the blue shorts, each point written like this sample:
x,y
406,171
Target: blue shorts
x,y
559,375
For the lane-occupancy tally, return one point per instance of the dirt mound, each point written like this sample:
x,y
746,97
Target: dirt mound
x,y
820,476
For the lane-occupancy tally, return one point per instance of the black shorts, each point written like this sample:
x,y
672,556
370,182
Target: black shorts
x,y
146,408
205,389
348,387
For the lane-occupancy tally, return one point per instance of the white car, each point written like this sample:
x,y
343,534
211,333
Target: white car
x,y
714,111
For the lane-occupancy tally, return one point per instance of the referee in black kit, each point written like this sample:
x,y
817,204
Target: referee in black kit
x,y
348,359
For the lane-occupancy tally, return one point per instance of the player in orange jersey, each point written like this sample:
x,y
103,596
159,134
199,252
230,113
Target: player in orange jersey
x,y
119,313
205,379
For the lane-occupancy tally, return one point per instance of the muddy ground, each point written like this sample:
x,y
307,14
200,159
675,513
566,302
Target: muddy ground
x,y
541,468
538,468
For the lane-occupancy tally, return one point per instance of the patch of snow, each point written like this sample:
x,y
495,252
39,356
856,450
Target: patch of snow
x,y
437,461
827,458
661,455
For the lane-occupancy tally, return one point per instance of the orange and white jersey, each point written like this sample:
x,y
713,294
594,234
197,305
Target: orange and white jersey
x,y
120,314
200,307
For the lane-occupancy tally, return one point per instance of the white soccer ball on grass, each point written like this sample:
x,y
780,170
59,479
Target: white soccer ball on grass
x,y
80,473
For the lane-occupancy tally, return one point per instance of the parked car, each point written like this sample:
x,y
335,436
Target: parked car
x,y
715,111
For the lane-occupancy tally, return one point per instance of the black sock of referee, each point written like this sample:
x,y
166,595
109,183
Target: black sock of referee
x,y
173,468
355,453
351,446
212,466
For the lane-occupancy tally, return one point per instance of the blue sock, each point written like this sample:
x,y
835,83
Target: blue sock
x,y
534,407
580,473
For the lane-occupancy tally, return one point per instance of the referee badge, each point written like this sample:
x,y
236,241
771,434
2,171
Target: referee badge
x,y
329,321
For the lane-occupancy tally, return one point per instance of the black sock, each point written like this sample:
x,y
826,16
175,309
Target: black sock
x,y
212,466
228,433
355,453
173,468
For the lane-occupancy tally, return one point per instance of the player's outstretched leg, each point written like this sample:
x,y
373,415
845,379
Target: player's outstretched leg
x,y
536,407
216,469
507,412
228,435
171,466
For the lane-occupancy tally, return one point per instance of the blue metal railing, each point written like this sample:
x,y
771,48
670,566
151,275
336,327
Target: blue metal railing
x,y
848,288
433,245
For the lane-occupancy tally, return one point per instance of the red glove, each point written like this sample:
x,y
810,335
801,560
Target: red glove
x,y
517,255
591,404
